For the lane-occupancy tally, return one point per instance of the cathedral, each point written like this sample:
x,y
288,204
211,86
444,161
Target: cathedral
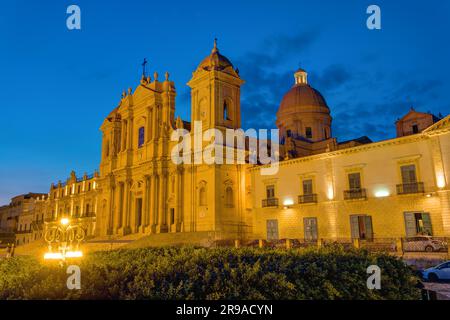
x,y
324,189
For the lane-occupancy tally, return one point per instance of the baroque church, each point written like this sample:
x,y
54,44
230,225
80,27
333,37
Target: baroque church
x,y
324,189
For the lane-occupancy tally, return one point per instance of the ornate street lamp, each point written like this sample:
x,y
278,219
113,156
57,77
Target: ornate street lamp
x,y
63,240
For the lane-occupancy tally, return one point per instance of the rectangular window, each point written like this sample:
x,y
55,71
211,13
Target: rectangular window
x,y
354,181
141,137
272,230
270,191
361,227
308,132
418,223
310,226
408,174
307,187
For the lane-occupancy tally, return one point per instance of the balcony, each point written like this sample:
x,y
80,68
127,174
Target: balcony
x,y
272,202
409,188
354,194
308,198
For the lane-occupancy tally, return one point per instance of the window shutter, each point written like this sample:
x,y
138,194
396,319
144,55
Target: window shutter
x,y
307,187
310,226
427,223
307,228
354,180
408,174
314,235
368,225
410,224
354,227
272,229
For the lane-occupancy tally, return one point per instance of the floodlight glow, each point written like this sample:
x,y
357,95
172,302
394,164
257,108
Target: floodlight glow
x,y
53,256
64,221
382,193
330,193
288,202
440,181
74,254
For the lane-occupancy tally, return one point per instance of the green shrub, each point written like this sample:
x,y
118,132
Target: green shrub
x,y
198,273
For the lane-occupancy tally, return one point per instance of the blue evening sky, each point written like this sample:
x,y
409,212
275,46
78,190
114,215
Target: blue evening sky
x,y
58,85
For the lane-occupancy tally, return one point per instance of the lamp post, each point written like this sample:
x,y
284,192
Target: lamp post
x,y
64,240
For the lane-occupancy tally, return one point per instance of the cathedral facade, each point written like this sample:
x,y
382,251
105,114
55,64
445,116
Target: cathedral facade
x,y
326,189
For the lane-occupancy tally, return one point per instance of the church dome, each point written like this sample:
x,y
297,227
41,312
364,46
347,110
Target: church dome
x,y
302,97
216,61
303,112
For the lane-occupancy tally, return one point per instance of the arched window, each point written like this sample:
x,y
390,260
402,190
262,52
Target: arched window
x,y
202,196
141,137
225,110
229,201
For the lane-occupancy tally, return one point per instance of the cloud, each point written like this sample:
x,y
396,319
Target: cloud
x,y
266,81
333,77
359,113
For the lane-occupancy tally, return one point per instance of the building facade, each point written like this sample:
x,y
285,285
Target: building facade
x,y
75,198
24,217
324,189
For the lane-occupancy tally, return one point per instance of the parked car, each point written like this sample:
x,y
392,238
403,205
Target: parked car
x,y
439,272
424,243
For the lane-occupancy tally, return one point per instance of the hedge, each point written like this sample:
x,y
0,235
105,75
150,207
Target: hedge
x,y
222,273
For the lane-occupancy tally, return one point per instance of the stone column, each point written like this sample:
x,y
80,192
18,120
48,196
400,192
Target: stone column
x,y
145,208
110,213
130,134
125,218
120,207
149,124
116,207
162,196
152,207
156,116
180,194
124,135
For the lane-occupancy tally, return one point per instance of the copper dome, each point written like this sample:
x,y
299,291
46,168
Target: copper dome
x,y
300,96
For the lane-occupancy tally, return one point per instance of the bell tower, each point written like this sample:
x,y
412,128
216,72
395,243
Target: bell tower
x,y
215,93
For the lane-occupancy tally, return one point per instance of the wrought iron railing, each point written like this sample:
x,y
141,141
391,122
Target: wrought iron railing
x,y
408,188
355,194
270,202
308,198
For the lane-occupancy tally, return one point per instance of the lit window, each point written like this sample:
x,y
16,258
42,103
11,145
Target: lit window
x,y
361,227
418,223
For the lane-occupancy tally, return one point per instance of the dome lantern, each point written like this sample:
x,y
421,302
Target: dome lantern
x,y
301,76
